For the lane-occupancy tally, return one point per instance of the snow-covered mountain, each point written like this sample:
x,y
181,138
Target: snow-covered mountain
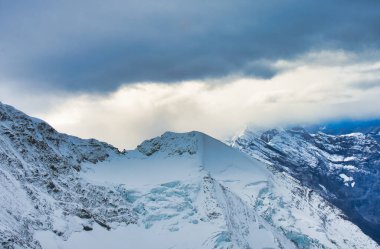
x,y
40,184
175,191
340,161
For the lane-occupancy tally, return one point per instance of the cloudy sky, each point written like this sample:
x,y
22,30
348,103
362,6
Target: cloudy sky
x,y
124,71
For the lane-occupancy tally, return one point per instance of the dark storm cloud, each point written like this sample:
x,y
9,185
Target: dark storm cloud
x,y
97,45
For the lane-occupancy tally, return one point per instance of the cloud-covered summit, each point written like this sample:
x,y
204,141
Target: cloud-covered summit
x,y
99,45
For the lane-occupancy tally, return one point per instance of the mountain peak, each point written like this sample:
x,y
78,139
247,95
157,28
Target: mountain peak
x,y
172,143
189,188
339,166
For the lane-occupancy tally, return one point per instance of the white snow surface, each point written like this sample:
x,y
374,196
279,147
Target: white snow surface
x,y
192,191
179,190
346,178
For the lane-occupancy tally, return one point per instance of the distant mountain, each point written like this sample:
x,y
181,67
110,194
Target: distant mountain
x,y
179,190
340,161
341,127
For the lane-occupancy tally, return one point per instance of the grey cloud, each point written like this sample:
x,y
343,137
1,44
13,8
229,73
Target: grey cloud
x,y
98,45
366,85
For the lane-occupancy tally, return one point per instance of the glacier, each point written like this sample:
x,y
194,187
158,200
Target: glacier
x,y
178,190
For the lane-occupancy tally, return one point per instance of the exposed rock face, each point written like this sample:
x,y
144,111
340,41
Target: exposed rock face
x,y
179,190
342,167
39,181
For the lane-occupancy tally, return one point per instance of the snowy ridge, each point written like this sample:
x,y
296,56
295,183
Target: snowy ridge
x,y
343,168
186,165
172,144
237,201
179,190
41,189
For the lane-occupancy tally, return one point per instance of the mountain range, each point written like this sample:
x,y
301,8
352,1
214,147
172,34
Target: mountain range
x,y
281,188
340,161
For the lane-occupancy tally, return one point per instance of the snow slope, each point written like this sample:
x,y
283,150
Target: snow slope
x,y
192,191
40,184
180,203
179,190
341,167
